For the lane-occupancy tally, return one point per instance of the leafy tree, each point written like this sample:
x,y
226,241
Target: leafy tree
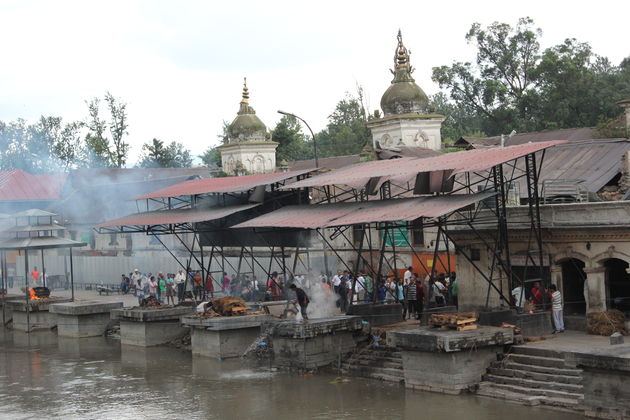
x,y
459,121
513,85
346,132
158,155
211,157
101,151
292,145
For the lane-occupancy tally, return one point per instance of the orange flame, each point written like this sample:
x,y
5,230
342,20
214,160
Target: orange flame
x,y
32,294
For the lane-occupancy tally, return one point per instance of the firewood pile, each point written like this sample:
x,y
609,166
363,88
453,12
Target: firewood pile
x,y
150,302
463,321
229,306
606,323
516,329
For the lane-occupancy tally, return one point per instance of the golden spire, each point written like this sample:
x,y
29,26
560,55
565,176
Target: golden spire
x,y
245,92
401,58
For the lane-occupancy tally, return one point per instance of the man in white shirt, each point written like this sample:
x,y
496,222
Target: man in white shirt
x,y
407,276
336,281
519,298
556,309
359,287
180,281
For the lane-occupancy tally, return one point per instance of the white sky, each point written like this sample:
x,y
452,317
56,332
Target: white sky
x,y
179,65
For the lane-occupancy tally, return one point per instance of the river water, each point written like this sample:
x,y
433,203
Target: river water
x,y
44,377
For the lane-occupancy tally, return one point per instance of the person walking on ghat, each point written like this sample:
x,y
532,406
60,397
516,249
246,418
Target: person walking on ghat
x,y
180,281
302,300
556,309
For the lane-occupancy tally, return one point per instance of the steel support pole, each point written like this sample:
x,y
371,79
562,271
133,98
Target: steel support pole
x,y
71,276
28,309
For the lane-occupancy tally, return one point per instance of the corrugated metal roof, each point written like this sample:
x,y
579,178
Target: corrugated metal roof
x,y
339,214
333,162
222,185
16,185
173,217
39,242
569,134
465,161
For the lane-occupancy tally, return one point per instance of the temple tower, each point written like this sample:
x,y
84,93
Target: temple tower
x,y
407,120
248,148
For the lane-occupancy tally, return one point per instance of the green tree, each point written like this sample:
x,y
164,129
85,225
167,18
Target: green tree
x,y
346,132
211,157
101,151
292,144
158,155
459,122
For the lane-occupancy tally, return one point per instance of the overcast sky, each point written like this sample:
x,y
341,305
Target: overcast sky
x,y
179,65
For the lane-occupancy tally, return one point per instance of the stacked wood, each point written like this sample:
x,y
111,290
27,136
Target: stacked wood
x,y
516,329
461,321
606,323
228,306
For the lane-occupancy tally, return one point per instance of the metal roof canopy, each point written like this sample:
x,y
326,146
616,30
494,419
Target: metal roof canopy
x,y
231,184
38,242
316,216
173,217
458,162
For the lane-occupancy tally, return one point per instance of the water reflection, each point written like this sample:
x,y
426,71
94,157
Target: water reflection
x,y
45,377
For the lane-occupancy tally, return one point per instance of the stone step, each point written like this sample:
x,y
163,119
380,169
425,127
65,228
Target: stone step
x,y
535,351
535,376
508,364
488,389
368,356
383,352
370,371
551,389
378,363
534,384
537,360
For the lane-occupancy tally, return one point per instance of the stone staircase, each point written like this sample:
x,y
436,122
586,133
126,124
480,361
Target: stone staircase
x,y
383,363
534,376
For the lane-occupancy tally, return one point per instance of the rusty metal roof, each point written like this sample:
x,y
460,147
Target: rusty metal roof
x,y
177,216
570,134
228,184
39,242
16,185
358,175
316,216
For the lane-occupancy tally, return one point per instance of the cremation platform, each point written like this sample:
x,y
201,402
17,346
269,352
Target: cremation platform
x,y
313,343
150,326
225,336
448,361
34,314
83,318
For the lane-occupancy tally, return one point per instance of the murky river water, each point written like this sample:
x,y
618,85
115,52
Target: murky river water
x,y
43,377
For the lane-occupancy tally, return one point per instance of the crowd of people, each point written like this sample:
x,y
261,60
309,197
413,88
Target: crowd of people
x,y
412,291
536,301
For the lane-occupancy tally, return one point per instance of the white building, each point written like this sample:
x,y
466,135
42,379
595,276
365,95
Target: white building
x,y
407,120
248,148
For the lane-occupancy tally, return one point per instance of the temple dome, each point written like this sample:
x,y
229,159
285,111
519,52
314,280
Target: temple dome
x,y
246,126
403,96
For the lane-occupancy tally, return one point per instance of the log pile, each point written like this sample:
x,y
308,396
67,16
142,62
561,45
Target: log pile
x,y
606,323
229,306
463,321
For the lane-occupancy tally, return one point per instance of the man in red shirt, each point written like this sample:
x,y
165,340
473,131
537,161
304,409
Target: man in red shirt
x,y
537,295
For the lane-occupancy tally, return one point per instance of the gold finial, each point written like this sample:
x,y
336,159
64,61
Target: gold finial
x,y
401,58
245,91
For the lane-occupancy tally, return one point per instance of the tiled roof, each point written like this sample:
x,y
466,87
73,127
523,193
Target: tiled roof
x,y
16,185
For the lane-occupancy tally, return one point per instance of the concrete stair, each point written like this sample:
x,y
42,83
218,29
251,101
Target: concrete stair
x,y
534,376
383,363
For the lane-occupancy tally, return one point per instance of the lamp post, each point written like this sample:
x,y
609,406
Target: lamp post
x,y
309,129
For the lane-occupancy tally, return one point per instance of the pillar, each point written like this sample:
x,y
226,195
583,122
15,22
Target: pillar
x,y
596,286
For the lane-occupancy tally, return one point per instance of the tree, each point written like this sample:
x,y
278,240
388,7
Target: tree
x,y
101,151
459,121
157,155
513,85
346,132
292,145
211,157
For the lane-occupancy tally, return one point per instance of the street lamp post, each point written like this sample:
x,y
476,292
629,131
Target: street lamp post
x,y
309,129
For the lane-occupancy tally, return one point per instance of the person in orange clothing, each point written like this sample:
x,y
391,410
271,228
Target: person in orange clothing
x,y
537,295
35,275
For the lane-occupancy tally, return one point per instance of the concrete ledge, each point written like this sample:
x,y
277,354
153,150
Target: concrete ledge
x,y
225,322
37,320
147,334
426,339
314,327
34,305
223,343
84,307
151,315
377,314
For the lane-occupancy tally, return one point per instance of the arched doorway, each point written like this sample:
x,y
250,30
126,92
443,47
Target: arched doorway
x,y
573,278
617,284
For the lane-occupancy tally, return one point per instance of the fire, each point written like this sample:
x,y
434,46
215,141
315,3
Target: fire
x,y
32,294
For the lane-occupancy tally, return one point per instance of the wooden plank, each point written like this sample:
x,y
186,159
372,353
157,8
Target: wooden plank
x,y
467,327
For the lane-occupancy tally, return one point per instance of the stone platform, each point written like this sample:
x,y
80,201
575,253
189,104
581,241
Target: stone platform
x,y
150,327
377,314
83,318
314,343
38,317
448,361
223,337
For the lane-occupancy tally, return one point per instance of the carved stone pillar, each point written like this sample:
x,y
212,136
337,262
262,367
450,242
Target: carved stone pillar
x,y
596,286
